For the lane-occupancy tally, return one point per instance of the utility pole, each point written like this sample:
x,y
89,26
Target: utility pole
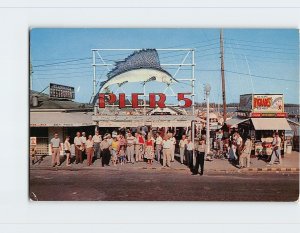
x,y
223,74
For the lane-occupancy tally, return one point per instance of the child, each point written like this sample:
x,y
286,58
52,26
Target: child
x,y
114,149
122,155
33,154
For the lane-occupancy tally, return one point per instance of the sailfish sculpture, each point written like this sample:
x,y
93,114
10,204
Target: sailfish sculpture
x,y
140,66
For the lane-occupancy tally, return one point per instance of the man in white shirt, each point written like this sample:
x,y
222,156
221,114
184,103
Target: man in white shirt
x,y
246,152
276,143
83,141
173,140
78,148
167,146
130,147
182,147
97,140
55,149
158,147
189,149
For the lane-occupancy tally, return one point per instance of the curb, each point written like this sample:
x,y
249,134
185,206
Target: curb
x,y
172,169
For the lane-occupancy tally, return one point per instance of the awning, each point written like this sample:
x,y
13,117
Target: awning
x,y
60,119
270,124
139,120
233,122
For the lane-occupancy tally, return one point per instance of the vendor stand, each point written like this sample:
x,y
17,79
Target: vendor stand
x,y
260,116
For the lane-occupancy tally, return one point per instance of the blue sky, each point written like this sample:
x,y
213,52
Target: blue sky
x,y
256,60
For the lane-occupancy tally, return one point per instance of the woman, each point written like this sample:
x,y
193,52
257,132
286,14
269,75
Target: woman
x,y
67,147
114,150
149,149
89,147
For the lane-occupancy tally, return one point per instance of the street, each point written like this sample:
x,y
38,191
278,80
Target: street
x,y
117,184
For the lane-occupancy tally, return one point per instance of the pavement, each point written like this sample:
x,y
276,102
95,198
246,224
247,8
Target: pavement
x,y
290,164
166,185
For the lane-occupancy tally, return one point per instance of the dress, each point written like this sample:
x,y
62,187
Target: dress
x,y
149,153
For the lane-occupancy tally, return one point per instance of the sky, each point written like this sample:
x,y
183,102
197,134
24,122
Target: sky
x,y
256,60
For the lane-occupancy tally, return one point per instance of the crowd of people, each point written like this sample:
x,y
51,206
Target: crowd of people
x,y
120,148
237,149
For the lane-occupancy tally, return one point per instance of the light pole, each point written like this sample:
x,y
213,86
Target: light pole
x,y
207,91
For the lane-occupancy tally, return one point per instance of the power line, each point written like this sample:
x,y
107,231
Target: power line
x,y
63,62
76,72
260,42
70,68
259,76
257,46
265,51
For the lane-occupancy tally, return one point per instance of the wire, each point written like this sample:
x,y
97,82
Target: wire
x,y
265,51
57,63
261,42
70,68
259,76
76,72
257,46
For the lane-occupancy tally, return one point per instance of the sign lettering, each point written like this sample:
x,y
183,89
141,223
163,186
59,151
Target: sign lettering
x,y
153,102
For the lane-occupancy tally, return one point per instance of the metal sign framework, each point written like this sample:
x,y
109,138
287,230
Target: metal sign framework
x,y
99,61
189,82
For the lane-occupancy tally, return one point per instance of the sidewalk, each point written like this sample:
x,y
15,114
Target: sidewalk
x,y
290,164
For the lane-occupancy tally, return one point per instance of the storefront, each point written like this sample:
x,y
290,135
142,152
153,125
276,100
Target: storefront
x,y
260,116
44,124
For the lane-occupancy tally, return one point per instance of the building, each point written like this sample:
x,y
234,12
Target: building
x,y
260,116
65,117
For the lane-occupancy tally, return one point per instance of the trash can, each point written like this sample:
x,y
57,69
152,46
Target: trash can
x,y
289,149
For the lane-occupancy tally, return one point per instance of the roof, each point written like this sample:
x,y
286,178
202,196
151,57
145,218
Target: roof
x,y
270,124
233,122
60,119
45,102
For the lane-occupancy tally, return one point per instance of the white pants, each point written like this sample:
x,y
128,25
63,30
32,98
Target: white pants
x,y
130,153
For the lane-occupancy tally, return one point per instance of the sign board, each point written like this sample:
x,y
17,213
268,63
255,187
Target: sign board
x,y
61,92
262,103
268,103
32,141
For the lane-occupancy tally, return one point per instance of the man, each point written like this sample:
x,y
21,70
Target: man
x,y
89,150
139,142
83,141
167,146
189,153
182,147
173,140
97,140
78,148
158,146
55,149
239,144
199,158
130,147
246,152
276,143
104,146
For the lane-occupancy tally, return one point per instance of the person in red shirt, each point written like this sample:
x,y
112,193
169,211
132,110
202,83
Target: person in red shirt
x,y
149,149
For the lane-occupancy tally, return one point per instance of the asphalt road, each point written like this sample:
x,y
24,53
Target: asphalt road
x,y
108,184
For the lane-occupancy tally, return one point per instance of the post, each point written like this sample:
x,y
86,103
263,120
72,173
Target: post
x,y
94,81
207,91
223,74
193,136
